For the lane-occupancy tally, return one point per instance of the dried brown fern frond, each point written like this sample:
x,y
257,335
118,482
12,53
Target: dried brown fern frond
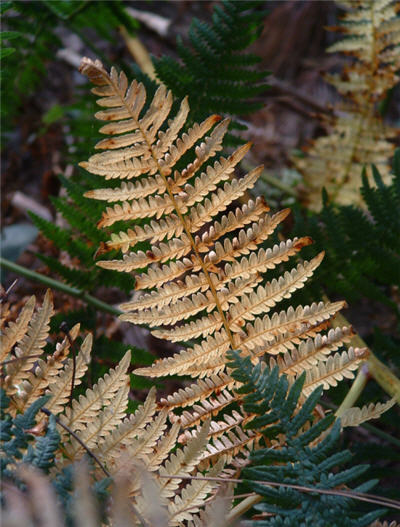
x,y
355,416
98,419
202,270
357,135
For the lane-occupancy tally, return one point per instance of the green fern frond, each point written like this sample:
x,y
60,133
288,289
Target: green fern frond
x,y
362,247
16,437
216,71
306,459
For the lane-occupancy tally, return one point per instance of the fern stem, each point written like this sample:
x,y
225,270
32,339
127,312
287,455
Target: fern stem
x,y
379,371
47,412
355,391
367,426
361,496
177,210
242,507
59,286
384,377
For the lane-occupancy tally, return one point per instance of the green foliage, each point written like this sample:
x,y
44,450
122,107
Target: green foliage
x,y
18,445
31,29
81,240
362,261
217,72
362,246
306,459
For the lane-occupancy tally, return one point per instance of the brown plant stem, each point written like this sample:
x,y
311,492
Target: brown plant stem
x,y
47,412
65,330
376,368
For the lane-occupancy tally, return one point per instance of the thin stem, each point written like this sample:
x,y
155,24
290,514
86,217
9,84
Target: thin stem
x,y
361,496
355,391
10,361
60,286
379,371
4,295
65,330
367,426
47,412
384,377
178,212
243,507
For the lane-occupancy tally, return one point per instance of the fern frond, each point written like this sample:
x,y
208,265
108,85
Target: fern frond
x,y
30,345
235,445
284,329
202,272
358,135
184,506
355,416
216,69
305,458
96,421
144,445
207,408
16,330
202,389
84,409
217,428
60,386
164,447
128,428
334,369
106,420
216,511
312,351
182,462
286,337
44,371
362,246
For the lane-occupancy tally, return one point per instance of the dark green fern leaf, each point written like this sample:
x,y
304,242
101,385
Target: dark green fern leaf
x,y
15,436
306,459
42,453
216,72
362,247
80,241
